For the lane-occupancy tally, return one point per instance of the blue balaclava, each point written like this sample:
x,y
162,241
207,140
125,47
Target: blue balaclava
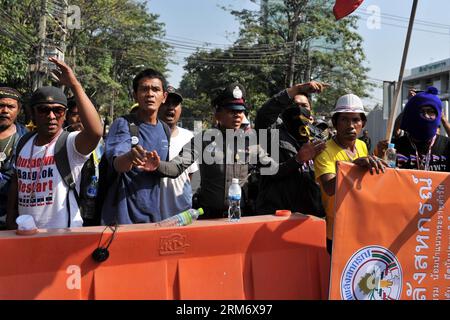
x,y
414,123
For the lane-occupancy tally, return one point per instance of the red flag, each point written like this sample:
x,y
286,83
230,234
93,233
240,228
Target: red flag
x,y
343,8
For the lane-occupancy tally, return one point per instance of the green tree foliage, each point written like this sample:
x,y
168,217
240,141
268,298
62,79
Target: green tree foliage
x,y
326,50
117,39
18,39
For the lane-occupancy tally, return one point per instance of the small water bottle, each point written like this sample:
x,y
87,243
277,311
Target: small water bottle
x,y
234,200
182,219
91,191
391,156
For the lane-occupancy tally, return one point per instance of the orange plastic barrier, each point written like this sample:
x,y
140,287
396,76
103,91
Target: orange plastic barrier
x,y
261,257
391,235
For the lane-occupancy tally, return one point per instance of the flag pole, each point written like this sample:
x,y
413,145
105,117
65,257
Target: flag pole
x,y
399,85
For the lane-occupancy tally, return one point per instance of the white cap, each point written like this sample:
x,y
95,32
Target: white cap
x,y
349,103
235,180
25,222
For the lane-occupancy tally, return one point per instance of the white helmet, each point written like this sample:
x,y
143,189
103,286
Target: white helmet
x,y
349,103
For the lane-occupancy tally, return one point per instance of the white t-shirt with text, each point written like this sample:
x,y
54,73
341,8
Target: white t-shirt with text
x,y
42,192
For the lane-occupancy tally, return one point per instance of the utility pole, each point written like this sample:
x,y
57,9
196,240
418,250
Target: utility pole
x,y
398,88
294,31
38,67
52,38
308,67
265,18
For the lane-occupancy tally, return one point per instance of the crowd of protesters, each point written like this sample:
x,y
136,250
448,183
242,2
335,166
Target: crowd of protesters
x,y
146,161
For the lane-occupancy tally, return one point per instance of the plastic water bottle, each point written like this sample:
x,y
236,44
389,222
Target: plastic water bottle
x,y
182,219
88,203
391,156
234,199
91,191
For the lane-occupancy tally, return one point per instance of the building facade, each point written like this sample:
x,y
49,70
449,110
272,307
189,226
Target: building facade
x,y
436,74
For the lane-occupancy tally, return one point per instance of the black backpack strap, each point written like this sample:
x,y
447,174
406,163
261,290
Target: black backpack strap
x,y
133,127
62,164
134,132
23,141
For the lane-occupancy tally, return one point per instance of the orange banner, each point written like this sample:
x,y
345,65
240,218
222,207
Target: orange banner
x,y
391,235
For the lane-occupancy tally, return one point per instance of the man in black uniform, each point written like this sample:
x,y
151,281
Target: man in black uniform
x,y
223,153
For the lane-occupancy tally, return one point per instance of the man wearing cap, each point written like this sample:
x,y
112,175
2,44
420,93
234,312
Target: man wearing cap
x,y
176,194
39,190
293,187
10,133
421,148
348,118
226,152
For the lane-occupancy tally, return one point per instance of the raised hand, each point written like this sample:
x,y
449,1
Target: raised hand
x,y
311,87
308,87
63,73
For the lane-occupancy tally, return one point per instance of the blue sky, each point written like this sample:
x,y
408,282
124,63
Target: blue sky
x,y
195,22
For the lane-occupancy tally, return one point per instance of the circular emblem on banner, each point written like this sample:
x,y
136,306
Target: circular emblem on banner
x,y
237,93
372,273
134,140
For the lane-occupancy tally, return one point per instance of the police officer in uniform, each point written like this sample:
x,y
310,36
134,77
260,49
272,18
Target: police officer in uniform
x,y
223,153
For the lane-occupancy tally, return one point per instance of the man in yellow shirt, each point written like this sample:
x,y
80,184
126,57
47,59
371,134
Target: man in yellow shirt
x,y
348,118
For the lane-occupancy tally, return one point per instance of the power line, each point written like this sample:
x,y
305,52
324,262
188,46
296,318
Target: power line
x,y
12,24
230,47
238,63
406,19
208,43
416,29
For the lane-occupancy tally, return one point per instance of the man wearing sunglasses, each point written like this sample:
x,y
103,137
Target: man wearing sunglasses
x,y
39,190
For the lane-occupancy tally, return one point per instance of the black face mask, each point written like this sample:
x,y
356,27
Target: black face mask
x,y
296,121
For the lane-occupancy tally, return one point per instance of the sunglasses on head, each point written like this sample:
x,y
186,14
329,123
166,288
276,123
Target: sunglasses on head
x,y
57,111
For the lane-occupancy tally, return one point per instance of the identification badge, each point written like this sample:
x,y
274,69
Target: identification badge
x,y
134,140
